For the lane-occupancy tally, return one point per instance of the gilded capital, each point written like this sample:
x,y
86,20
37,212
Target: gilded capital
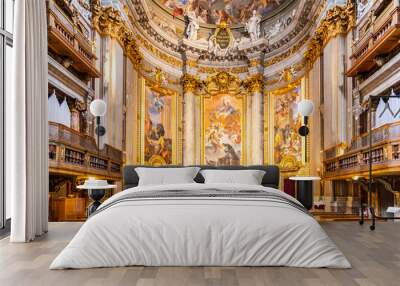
x,y
255,83
190,83
338,20
108,22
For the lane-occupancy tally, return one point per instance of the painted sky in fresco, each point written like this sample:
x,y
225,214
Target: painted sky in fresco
x,y
213,11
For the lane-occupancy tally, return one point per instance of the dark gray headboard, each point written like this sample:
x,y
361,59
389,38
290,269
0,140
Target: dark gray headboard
x,y
271,177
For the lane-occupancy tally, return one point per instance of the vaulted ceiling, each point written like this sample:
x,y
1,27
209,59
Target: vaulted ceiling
x,y
232,11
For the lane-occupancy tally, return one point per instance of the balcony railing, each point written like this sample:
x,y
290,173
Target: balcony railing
x,y
71,152
378,35
354,160
66,39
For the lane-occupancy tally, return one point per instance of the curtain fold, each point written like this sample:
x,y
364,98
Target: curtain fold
x,y
27,124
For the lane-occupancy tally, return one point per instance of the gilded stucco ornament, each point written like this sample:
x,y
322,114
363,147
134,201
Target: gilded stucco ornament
x,y
338,20
222,82
190,83
108,22
254,83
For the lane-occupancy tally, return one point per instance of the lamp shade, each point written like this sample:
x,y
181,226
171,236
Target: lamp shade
x,y
305,107
98,107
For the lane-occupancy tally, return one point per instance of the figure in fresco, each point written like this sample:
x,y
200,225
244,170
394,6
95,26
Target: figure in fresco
x,y
287,142
231,11
192,25
157,142
253,26
223,140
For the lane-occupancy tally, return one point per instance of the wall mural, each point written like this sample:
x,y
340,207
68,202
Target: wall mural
x,y
222,125
159,120
231,11
287,142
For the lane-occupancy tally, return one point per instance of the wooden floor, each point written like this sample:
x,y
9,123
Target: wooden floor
x,y
375,257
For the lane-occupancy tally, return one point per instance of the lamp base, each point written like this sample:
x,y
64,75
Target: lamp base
x,y
96,195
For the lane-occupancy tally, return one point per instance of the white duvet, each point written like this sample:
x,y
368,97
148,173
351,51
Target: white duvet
x,y
200,231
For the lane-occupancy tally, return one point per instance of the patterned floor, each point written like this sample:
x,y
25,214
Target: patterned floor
x,y
375,257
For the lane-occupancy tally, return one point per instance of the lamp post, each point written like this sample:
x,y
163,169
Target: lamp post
x,y
372,103
304,186
96,188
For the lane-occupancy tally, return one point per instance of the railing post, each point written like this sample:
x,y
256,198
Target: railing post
x,y
62,153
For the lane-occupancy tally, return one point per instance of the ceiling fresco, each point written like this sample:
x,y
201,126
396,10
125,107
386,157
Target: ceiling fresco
x,y
214,11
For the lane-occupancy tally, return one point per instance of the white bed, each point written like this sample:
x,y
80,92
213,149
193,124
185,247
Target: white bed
x,y
206,230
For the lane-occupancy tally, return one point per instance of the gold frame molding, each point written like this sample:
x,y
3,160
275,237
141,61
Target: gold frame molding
x,y
224,83
289,165
176,118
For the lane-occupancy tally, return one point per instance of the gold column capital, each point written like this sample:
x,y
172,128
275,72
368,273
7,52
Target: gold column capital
x,y
338,21
108,22
254,83
190,83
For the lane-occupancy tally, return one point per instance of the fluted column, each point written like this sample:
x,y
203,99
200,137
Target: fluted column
x,y
190,84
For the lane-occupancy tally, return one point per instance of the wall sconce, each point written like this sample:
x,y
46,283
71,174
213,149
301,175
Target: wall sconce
x,y
304,184
306,108
98,108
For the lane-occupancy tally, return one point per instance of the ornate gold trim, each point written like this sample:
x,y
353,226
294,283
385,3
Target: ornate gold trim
x,y
108,22
285,55
222,82
254,83
160,55
233,70
190,83
288,163
338,20
287,88
176,118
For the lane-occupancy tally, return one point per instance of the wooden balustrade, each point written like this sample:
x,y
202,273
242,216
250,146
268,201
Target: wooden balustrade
x,y
378,35
71,152
354,160
66,39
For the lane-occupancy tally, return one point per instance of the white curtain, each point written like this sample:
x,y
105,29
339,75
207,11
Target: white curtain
x,y
26,124
64,114
54,107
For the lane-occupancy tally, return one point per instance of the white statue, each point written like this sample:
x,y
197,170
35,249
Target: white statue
x,y
253,26
362,7
275,29
193,25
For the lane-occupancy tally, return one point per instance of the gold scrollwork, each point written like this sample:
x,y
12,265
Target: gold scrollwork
x,y
338,20
211,70
108,21
222,82
190,83
175,62
254,83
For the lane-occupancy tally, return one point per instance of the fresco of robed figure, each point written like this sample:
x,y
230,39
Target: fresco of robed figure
x,y
287,141
157,129
223,130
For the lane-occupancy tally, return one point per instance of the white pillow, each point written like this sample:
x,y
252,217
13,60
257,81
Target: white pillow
x,y
166,176
248,177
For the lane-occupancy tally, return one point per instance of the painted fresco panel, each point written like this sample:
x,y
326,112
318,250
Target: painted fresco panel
x,y
287,142
158,128
222,123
